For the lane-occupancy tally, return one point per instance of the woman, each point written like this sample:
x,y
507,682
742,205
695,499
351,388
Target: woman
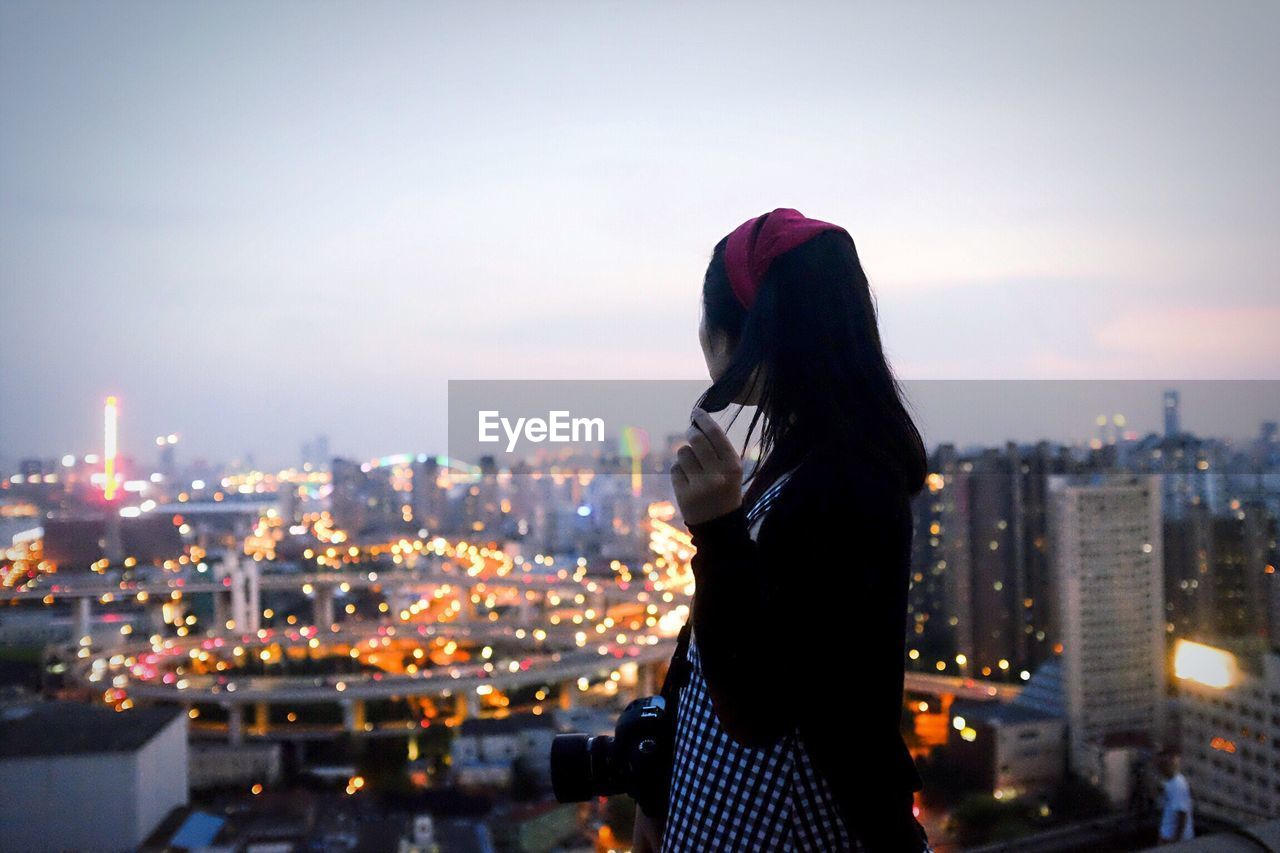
x,y
787,734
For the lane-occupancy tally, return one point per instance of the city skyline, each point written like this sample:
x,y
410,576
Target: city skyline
x,y
353,493
264,224
966,414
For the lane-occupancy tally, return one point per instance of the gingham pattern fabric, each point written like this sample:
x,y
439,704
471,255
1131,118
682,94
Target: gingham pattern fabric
x,y
729,797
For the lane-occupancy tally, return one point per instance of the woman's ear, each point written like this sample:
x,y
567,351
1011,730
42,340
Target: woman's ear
x,y
717,348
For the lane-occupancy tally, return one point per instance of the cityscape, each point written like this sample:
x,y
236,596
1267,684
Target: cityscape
x,y
376,654
351,351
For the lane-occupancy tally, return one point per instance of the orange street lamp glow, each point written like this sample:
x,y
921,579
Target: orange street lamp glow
x,y
111,415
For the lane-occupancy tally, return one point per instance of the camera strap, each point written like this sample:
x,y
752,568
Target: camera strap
x,y
678,670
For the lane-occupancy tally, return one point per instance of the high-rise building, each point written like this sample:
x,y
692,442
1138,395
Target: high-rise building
x,y
1037,590
940,611
346,502
1267,449
1230,731
482,505
1106,553
995,510
1239,559
981,581
167,463
429,497
1187,547
1216,571
1172,419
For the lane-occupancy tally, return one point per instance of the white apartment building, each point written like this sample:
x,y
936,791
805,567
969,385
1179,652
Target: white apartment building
x,y
1105,544
1230,725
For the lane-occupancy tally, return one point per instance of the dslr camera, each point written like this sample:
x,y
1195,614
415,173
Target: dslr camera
x,y
636,760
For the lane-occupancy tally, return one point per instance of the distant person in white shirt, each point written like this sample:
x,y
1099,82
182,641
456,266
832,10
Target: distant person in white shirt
x,y
1175,816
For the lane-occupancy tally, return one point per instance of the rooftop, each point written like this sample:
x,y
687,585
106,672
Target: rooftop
x,y
1000,713
1044,692
67,728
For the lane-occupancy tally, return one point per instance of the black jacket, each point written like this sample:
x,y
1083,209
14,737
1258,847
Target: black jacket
x,y
807,626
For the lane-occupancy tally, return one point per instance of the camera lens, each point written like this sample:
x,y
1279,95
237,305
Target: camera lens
x,y
579,766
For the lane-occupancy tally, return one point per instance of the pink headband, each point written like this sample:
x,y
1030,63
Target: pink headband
x,y
754,244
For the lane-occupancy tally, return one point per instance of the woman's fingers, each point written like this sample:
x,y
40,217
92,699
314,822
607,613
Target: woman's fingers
x,y
707,473
688,460
702,449
715,435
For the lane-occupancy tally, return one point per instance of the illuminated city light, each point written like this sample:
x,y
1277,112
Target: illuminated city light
x,y
111,416
1205,665
1223,745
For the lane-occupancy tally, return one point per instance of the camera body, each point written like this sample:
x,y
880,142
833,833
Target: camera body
x,y
636,760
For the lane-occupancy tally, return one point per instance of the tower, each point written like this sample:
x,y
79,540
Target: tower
x,y
1172,418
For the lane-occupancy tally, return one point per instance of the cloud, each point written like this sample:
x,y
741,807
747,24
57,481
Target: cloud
x,y
1203,341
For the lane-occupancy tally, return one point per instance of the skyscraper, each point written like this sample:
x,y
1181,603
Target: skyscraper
x,y
1172,421
982,585
429,497
1106,547
995,512
940,607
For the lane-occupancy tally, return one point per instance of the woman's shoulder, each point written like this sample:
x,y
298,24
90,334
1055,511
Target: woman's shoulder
x,y
835,480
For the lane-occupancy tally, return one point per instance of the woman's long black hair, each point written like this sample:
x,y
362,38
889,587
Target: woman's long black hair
x,y
812,341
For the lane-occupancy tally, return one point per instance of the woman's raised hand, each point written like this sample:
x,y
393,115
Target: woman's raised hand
x,y
707,473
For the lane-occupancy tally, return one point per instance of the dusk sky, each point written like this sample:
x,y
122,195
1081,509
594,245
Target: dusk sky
x,y
259,222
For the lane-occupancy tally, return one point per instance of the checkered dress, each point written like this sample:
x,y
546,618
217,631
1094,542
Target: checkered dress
x,y
729,797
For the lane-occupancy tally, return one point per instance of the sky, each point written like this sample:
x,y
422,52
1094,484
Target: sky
x,y
260,222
